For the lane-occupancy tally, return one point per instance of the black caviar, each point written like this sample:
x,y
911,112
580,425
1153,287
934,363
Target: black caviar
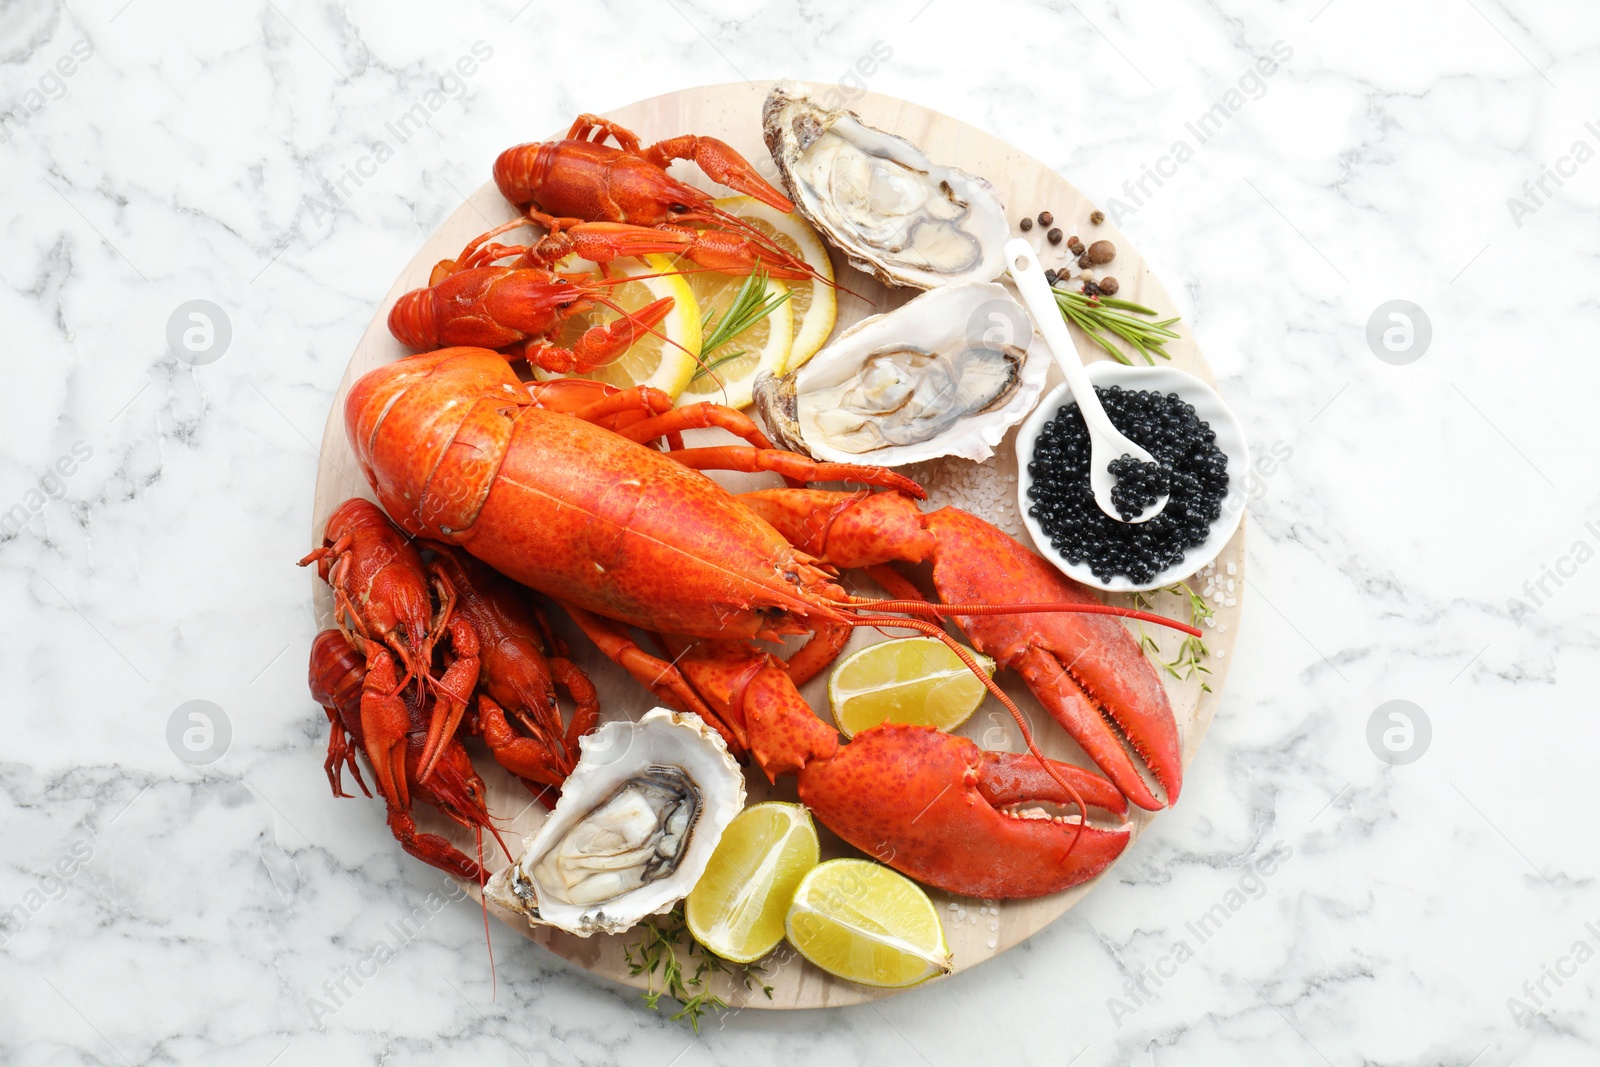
x,y
1138,485
1195,470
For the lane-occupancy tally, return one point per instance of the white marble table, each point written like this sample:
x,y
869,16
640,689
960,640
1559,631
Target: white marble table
x,y
1426,536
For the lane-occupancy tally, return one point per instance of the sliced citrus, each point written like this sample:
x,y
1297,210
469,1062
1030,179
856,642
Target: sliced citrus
x,y
867,924
815,308
916,680
665,359
726,374
737,908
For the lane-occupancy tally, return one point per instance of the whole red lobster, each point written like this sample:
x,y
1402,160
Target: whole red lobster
x,y
566,498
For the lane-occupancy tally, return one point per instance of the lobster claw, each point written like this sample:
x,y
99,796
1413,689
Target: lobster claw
x,y
938,808
1087,670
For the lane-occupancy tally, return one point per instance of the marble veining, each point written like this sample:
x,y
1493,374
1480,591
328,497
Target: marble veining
x,y
1427,535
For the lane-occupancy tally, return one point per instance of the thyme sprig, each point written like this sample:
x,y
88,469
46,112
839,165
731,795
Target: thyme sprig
x,y
1097,315
657,952
1192,653
751,304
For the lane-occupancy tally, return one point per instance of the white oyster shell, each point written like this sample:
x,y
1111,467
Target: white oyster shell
x,y
968,327
893,211
621,843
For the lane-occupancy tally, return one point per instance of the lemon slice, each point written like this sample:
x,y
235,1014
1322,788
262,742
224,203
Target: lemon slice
x,y
867,924
737,908
815,308
654,359
916,680
733,367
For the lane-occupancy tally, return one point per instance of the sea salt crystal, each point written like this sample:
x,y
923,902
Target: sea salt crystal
x,y
1233,568
993,943
1230,602
993,927
1209,621
1230,585
1222,653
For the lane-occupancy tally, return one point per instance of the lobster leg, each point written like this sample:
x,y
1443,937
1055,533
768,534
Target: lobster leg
x,y
789,464
655,674
598,345
940,809
699,417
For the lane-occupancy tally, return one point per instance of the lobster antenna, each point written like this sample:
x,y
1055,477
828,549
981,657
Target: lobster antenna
x,y
988,683
943,610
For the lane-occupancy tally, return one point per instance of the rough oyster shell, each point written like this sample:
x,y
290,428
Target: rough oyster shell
x,y
894,212
635,827
946,374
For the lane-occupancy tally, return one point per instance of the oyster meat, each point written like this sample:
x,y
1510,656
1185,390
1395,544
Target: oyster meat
x,y
635,827
946,374
893,211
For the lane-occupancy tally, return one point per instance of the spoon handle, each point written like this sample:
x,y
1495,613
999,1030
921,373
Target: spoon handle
x,y
1023,263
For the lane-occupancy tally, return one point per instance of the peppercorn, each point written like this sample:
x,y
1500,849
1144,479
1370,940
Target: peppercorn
x,y
1083,261
1054,235
1027,224
1051,276
1075,243
1109,286
1045,218
1102,252
1090,288
1097,217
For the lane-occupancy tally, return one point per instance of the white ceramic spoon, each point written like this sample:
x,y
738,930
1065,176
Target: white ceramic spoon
x,y
1106,442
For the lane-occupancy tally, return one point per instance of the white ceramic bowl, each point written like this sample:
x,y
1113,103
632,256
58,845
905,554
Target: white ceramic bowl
x,y
1208,407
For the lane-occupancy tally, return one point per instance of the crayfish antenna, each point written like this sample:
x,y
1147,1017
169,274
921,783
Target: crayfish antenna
x,y
483,901
783,255
703,364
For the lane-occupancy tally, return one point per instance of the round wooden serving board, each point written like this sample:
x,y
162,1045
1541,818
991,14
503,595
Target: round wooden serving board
x,y
977,929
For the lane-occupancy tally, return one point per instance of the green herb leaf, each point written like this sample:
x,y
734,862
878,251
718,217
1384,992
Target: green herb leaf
x,y
1099,315
657,948
751,304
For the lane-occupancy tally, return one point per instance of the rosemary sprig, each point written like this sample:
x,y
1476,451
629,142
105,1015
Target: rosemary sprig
x,y
1193,652
1095,315
656,951
751,304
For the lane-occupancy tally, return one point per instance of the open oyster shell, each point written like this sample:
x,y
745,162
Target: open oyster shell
x,y
635,827
946,374
894,212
